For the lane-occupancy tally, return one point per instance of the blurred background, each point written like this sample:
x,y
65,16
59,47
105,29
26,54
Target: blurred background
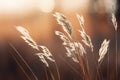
x,y
37,17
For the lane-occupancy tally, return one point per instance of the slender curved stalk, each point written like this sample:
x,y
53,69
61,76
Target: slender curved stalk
x,y
88,68
46,73
35,77
114,21
51,74
57,71
108,67
116,56
21,67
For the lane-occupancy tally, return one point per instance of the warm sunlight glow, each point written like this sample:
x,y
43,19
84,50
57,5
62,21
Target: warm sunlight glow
x,y
72,5
110,8
46,5
15,6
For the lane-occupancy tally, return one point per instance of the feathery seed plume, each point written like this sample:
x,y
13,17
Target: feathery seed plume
x,y
46,54
86,38
26,37
103,50
64,22
114,21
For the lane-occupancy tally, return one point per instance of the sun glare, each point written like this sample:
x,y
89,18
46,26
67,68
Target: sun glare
x,y
73,5
15,6
46,5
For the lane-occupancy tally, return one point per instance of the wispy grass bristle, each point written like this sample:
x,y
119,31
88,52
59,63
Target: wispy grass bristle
x,y
81,21
45,54
114,21
103,49
64,22
69,46
81,49
28,39
86,38
64,38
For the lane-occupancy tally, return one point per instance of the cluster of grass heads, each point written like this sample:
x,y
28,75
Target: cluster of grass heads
x,y
78,51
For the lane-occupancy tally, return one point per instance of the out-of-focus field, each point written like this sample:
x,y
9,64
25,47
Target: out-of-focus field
x,y
37,17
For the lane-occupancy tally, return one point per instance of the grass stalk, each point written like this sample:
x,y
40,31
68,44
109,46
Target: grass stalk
x,y
58,73
21,58
116,56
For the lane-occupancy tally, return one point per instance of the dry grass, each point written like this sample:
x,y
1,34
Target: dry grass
x,y
74,50
103,50
28,39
